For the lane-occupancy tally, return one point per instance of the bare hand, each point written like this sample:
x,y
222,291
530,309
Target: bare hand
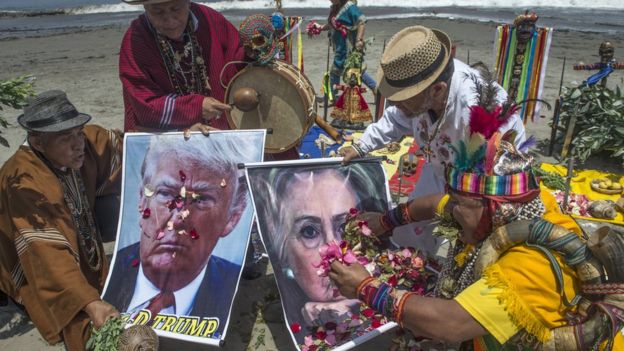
x,y
359,45
319,313
198,127
212,108
373,222
349,153
347,278
99,312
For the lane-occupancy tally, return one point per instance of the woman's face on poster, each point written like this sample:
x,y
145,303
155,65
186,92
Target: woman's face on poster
x,y
314,212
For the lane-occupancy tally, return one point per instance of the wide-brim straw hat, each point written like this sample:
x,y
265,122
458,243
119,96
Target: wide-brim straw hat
x,y
413,59
144,2
51,112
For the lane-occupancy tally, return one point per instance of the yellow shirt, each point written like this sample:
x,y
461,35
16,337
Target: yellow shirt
x,y
519,291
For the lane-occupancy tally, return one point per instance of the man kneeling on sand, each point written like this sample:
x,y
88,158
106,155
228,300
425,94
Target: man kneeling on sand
x,y
51,256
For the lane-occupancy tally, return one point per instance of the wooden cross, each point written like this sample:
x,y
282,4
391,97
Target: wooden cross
x,y
607,53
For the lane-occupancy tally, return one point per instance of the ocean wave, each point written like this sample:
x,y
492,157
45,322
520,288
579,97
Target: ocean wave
x,y
320,4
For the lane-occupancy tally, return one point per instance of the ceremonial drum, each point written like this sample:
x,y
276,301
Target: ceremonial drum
x,y
286,104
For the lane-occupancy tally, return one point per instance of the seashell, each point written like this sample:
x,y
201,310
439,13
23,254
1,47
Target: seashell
x,y
604,209
138,337
246,99
619,204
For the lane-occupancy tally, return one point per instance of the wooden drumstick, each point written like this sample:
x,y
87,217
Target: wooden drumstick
x,y
331,131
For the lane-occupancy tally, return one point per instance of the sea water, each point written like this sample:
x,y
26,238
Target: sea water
x,y
20,18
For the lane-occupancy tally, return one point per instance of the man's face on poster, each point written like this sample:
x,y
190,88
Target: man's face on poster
x,y
189,210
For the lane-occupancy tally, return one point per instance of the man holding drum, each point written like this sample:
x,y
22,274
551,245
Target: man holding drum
x,y
170,66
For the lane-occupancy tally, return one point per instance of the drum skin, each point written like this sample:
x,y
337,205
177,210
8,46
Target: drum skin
x,y
286,104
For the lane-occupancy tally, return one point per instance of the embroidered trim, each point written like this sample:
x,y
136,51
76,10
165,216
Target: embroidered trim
x,y
520,314
17,275
51,235
115,162
513,184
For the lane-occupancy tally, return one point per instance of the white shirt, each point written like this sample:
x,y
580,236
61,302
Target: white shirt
x,y
145,291
394,124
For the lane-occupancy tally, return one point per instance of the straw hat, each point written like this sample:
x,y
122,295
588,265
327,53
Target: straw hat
x,y
414,58
51,112
144,2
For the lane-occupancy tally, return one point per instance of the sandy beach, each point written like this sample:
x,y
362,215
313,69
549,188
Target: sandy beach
x,y
84,64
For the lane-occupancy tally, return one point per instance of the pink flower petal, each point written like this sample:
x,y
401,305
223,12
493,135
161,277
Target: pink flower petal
x,y
349,258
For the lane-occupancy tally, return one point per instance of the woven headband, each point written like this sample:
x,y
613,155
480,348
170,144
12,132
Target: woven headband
x,y
507,185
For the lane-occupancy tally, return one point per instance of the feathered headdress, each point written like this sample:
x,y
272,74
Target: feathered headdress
x,y
488,163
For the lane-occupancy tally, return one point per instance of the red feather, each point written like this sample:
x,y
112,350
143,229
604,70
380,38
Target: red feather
x,y
486,123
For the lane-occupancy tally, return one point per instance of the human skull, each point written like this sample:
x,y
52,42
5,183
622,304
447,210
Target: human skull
x,y
606,52
258,38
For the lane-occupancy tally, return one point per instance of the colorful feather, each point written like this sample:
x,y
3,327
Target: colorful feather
x,y
527,144
476,140
510,136
490,153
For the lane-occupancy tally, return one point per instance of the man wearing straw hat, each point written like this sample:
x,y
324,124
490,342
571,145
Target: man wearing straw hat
x,y
430,94
170,66
51,257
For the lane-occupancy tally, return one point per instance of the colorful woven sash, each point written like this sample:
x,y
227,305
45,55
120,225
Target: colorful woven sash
x,y
474,183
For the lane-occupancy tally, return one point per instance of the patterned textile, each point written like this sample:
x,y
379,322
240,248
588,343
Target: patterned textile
x,y
344,29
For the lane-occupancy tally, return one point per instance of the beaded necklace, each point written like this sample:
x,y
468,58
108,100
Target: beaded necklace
x,y
195,78
456,276
75,196
76,199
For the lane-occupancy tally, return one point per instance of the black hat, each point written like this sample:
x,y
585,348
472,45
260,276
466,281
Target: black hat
x,y
51,112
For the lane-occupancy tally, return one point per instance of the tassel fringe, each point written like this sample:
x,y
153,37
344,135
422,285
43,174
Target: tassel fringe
x,y
520,314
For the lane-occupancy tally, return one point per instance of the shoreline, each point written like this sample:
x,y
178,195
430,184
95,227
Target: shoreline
x,y
84,63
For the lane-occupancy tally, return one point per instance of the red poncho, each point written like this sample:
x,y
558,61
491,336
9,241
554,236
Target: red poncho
x,y
150,100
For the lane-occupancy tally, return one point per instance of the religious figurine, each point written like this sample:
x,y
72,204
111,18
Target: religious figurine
x,y
521,57
351,109
606,65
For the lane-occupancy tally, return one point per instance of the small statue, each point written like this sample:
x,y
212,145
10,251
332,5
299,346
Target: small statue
x,y
351,109
520,63
525,29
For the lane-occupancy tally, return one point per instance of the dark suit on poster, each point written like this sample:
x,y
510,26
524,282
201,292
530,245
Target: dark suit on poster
x,y
213,298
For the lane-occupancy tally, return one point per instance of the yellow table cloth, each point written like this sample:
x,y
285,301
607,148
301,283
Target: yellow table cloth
x,y
580,184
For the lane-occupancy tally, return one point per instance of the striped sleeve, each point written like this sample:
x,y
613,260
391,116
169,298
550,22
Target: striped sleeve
x,y
149,96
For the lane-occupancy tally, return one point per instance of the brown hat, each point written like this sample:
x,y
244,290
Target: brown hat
x,y
414,58
144,2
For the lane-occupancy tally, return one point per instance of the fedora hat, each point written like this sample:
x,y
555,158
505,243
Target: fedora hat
x,y
51,112
414,58
144,2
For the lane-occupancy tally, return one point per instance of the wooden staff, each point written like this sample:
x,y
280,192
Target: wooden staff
x,y
331,131
326,95
555,122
